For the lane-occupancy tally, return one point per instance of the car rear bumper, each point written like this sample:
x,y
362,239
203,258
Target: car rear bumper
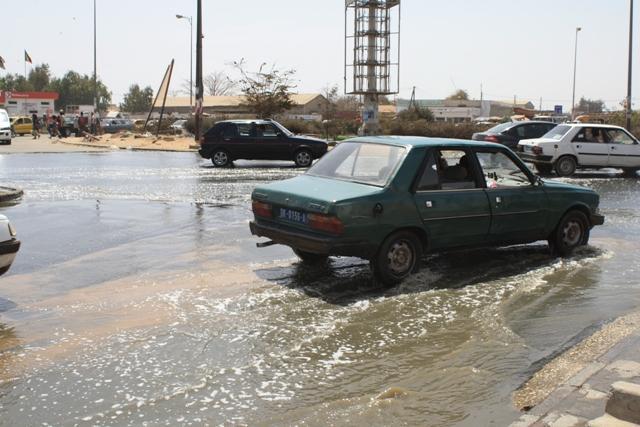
x,y
535,158
8,251
312,243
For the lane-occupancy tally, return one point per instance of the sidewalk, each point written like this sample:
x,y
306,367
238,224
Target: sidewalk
x,y
583,398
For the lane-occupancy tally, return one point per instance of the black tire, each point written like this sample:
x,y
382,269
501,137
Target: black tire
x,y
565,166
303,158
544,169
310,258
398,257
572,231
630,172
220,158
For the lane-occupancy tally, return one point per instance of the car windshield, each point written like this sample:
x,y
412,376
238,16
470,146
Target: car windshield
x,y
3,116
499,128
361,162
557,132
284,130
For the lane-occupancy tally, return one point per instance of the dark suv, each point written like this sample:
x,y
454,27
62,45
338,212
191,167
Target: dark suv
x,y
258,140
511,133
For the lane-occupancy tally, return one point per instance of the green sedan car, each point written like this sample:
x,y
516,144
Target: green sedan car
x,y
393,199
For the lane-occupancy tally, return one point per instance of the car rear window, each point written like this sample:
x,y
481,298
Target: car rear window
x,y
557,132
361,162
499,128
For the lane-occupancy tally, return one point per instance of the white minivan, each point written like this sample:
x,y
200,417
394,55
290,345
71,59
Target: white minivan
x,y
570,146
5,127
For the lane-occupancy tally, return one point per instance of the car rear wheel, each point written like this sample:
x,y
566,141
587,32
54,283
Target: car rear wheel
x,y
303,158
310,258
630,172
544,169
220,158
565,166
398,257
572,231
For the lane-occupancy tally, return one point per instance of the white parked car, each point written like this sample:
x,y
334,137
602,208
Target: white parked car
x,y
9,245
570,146
5,127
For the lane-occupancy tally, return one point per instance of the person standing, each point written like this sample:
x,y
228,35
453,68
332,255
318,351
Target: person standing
x,y
92,124
35,127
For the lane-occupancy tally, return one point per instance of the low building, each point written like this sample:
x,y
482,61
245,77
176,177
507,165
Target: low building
x,y
308,106
457,111
27,103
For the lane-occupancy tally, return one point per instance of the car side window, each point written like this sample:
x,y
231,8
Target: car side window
x,y
500,171
519,132
533,131
244,129
229,131
617,136
590,135
267,131
447,170
19,122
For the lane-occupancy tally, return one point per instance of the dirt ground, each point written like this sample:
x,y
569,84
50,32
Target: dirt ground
x,y
136,141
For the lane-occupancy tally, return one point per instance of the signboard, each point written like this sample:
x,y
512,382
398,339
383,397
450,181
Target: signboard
x,y
557,109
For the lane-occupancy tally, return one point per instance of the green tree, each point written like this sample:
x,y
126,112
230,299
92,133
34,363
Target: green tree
x,y
267,93
459,95
590,105
76,89
40,77
15,83
137,100
416,113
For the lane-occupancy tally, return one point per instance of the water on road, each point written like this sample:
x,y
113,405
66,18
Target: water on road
x,y
138,297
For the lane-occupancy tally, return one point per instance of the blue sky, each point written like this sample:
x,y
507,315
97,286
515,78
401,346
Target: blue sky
x,y
511,47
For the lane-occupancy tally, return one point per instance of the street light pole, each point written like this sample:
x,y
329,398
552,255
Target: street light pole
x,y
575,64
629,110
189,18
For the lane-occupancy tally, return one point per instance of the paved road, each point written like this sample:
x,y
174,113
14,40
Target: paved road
x,y
26,144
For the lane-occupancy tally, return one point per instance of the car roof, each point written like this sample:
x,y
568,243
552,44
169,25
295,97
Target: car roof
x,y
421,141
260,121
600,125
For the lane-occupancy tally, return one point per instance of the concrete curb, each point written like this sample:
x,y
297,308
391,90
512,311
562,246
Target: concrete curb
x,y
8,193
114,147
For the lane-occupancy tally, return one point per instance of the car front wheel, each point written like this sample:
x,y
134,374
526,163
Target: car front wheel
x,y
565,166
303,158
220,158
398,257
572,231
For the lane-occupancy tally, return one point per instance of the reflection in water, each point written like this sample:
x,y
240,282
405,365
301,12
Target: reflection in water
x,y
149,303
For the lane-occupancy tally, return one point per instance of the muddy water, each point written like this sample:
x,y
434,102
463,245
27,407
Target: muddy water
x,y
139,297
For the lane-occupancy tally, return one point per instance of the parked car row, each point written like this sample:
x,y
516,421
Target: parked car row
x,y
568,147
110,125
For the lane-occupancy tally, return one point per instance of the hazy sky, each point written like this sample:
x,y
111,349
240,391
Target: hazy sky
x,y
511,47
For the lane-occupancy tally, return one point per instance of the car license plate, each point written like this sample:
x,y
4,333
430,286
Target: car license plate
x,y
293,216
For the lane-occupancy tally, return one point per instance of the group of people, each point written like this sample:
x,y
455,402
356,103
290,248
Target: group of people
x,y
56,127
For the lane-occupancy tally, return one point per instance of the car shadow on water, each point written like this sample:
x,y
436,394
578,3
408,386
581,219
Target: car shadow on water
x,y
345,281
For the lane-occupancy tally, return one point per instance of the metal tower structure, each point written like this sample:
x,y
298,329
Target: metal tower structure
x,y
372,54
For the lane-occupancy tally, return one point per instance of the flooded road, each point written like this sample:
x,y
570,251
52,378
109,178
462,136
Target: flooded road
x,y
138,297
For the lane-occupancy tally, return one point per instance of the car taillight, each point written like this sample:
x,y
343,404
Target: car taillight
x,y
330,224
491,138
262,209
536,150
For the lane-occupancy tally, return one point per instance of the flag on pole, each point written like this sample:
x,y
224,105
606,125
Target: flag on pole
x,y
27,58
2,63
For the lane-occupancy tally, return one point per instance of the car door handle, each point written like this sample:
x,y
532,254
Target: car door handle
x,y
498,200
613,148
428,204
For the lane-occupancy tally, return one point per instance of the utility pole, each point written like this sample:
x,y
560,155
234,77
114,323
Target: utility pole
x,y
95,61
199,85
190,19
629,108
